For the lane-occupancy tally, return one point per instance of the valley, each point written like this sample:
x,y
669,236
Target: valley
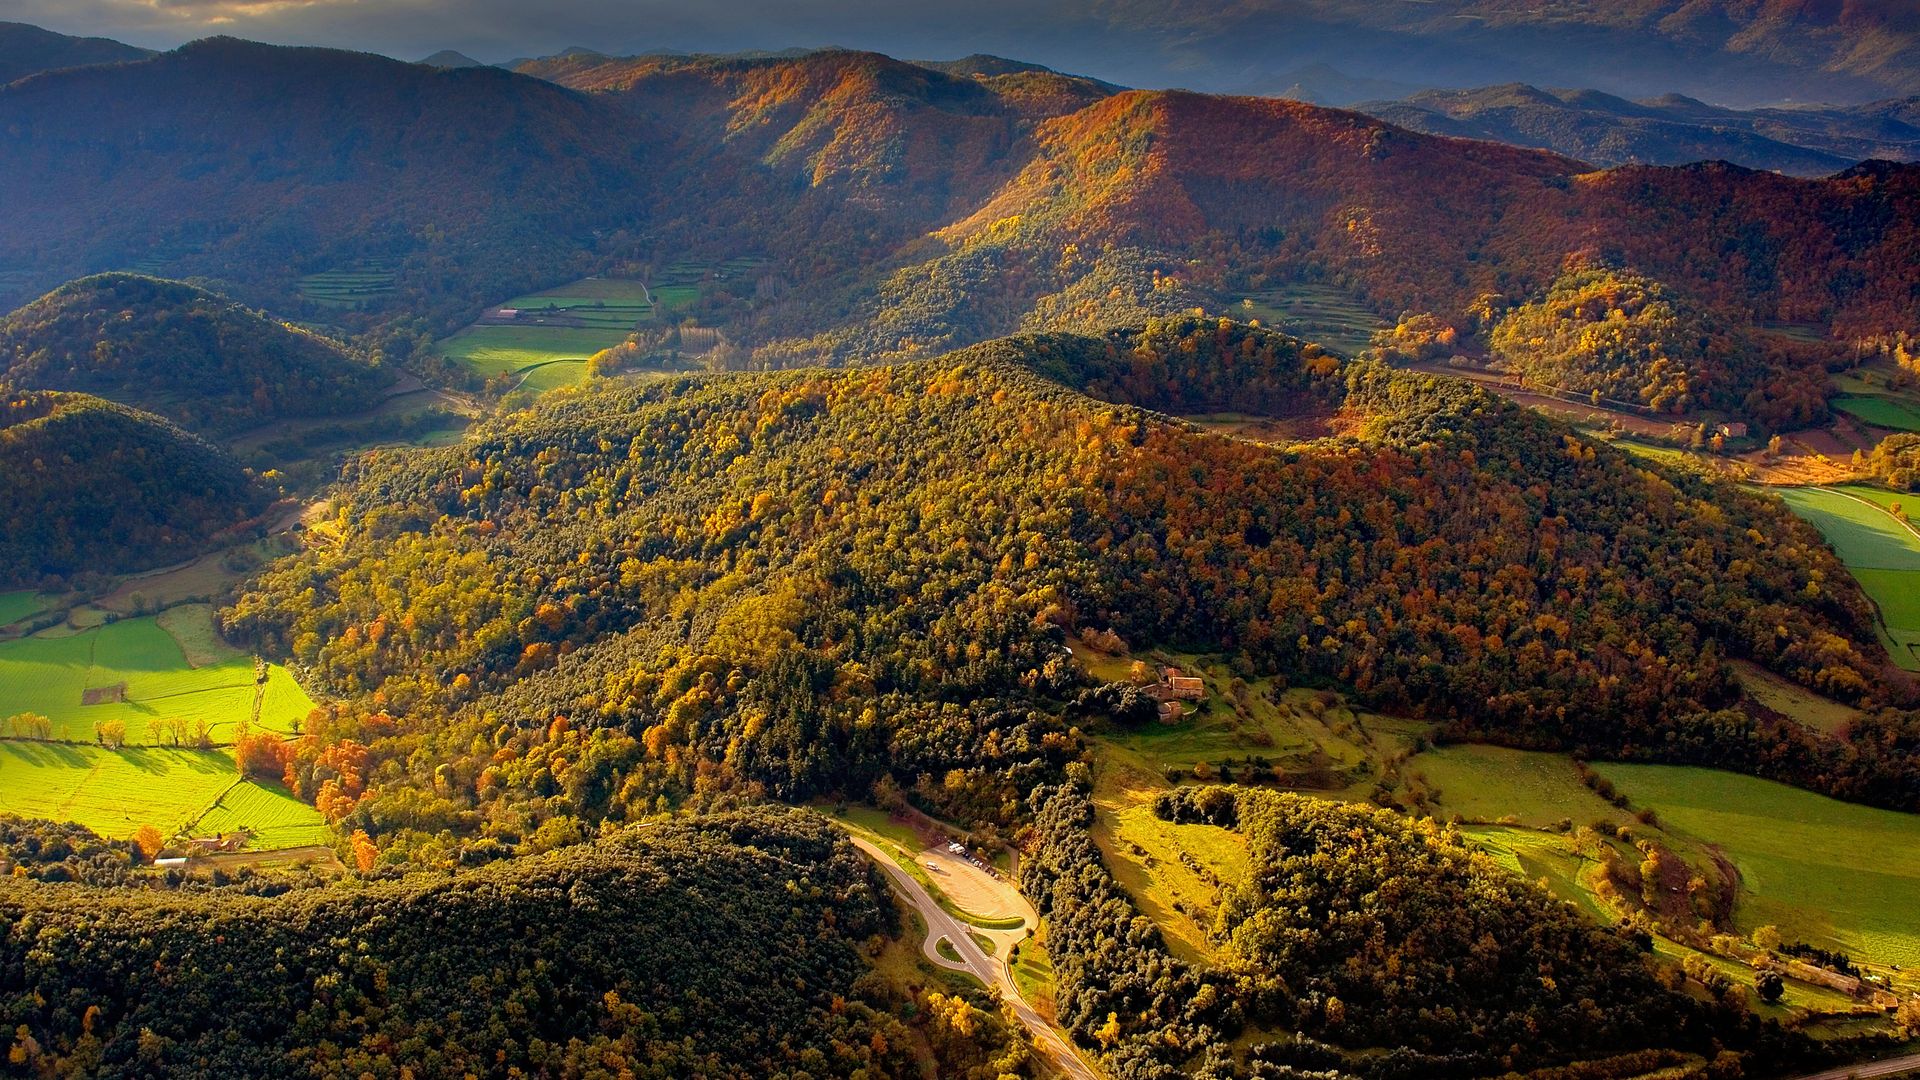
x,y
801,563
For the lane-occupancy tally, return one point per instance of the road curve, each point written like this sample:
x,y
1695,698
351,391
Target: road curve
x,y
989,970
1899,1066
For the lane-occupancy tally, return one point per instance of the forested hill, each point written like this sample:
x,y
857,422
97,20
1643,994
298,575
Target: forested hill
x,y
200,359
88,485
722,946
260,163
807,582
1672,130
26,49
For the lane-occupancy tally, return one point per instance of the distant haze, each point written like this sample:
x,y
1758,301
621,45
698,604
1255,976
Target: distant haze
x,y
1720,51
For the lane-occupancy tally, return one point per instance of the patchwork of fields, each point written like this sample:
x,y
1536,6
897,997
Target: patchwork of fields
x,y
167,679
1882,551
136,672
350,287
1319,313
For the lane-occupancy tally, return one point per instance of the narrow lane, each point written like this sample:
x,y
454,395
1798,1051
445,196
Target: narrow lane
x,y
1899,1066
991,971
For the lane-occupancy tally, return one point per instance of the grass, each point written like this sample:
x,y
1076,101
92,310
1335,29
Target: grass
x,y
1319,313
1833,874
1490,784
50,675
352,286
1032,973
946,949
191,627
1882,552
1885,412
1794,701
271,814
558,329
1144,854
112,792
902,843
15,606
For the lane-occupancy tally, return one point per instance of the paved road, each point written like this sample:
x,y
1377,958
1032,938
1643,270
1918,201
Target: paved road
x,y
1899,1066
991,971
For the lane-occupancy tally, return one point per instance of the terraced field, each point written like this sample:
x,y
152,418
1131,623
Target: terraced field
x,y
351,287
1319,313
1882,552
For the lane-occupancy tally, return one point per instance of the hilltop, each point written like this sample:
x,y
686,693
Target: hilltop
x,y
256,163
25,50
198,358
95,486
1673,130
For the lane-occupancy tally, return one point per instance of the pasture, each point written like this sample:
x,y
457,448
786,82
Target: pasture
x,y
1320,313
22,604
347,288
1492,784
1792,700
141,675
271,814
1882,551
1833,874
112,792
1886,412
1173,872
555,331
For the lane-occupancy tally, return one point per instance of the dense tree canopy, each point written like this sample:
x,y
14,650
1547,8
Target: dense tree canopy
x,y
199,359
88,485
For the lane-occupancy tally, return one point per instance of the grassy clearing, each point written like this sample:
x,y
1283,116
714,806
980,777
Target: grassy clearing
x,y
1319,313
1489,784
1791,700
15,606
1882,551
1032,973
1886,412
191,627
1833,874
1145,855
556,331
351,287
112,792
271,814
51,676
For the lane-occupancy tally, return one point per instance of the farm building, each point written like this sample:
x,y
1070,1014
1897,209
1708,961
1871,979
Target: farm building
x,y
215,845
1733,430
1171,712
506,314
1176,686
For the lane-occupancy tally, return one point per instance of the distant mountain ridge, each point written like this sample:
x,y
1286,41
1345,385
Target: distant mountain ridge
x,y
1671,130
26,50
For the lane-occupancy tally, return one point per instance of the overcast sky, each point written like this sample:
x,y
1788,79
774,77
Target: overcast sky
x,y
495,30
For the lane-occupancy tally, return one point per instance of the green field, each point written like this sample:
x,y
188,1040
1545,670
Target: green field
x,y
112,792
1886,412
1486,784
1882,552
50,676
15,606
275,818
556,332
350,287
1319,313
1833,874
1791,700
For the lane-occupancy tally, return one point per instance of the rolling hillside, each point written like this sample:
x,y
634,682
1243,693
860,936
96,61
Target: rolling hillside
x,y
256,164
93,486
197,358
25,50
1606,130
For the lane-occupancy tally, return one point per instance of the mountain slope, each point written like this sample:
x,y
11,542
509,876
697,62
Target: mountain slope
x,y
200,359
257,163
720,946
26,49
1607,130
94,486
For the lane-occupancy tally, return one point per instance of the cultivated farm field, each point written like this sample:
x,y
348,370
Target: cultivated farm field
x,y
1882,552
1834,874
112,792
135,672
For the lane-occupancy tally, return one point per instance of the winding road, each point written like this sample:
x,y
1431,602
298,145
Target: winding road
x,y
991,971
